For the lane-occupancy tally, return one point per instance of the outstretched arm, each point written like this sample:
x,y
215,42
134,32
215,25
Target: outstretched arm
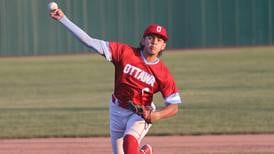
x,y
100,46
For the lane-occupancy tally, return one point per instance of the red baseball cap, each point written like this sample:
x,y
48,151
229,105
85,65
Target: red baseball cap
x,y
156,29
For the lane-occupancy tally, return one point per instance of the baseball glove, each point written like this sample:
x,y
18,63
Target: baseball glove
x,y
143,111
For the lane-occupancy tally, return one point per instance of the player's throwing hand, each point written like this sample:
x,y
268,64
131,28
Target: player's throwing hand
x,y
56,14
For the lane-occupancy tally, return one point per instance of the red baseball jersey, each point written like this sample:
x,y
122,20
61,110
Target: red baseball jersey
x,y
136,79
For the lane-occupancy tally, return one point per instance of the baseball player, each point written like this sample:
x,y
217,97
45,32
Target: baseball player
x,y
139,73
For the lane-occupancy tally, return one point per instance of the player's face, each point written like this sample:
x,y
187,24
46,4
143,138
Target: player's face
x,y
153,44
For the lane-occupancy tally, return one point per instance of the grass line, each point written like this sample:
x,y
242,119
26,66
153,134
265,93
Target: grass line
x,y
224,93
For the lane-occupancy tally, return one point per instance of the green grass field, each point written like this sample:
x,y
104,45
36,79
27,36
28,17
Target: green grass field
x,y
226,91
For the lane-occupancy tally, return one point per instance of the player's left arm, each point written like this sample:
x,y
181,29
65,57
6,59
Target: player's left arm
x,y
171,96
171,109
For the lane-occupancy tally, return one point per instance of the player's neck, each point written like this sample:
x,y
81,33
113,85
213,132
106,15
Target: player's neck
x,y
149,57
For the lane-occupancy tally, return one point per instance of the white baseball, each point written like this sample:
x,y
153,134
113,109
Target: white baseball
x,y
52,6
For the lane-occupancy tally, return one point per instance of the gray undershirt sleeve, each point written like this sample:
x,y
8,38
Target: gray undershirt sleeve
x,y
100,46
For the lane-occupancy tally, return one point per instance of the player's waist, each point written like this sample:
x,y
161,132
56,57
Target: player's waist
x,y
128,104
118,102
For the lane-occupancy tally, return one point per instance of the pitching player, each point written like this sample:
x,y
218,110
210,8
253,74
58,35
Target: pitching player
x,y
139,73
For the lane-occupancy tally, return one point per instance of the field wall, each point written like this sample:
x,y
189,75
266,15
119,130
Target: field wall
x,y
26,28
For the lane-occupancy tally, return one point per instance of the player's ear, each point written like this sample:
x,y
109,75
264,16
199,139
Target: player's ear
x,y
163,46
142,42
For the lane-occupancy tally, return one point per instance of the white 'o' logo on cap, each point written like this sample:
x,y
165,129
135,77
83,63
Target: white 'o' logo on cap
x,y
159,29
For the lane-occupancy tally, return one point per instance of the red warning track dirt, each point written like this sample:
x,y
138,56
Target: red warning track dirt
x,y
160,144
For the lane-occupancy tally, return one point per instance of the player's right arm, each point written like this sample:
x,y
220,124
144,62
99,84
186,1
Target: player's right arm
x,y
100,46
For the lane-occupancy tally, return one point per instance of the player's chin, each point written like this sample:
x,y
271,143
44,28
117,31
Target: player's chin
x,y
152,51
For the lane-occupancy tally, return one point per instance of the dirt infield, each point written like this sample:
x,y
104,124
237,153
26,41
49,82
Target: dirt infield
x,y
161,145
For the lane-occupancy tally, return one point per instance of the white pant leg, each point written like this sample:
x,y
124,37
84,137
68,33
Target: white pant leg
x,y
123,122
117,142
118,121
137,127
